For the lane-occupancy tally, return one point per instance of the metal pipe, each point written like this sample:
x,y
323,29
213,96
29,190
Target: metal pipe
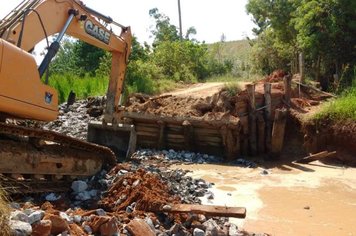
x,y
180,21
53,49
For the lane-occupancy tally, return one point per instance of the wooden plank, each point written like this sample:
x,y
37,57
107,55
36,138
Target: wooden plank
x,y
207,210
161,144
316,156
148,124
174,136
202,138
147,129
261,125
252,118
278,132
195,121
210,132
315,89
268,115
150,134
287,89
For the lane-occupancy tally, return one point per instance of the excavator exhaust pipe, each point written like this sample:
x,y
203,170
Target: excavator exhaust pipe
x,y
120,138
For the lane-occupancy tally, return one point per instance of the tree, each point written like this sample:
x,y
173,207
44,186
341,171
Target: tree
x,y
87,57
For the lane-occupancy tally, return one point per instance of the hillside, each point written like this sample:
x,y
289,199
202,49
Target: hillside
x,y
238,51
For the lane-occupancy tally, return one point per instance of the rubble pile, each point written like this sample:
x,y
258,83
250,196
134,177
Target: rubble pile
x,y
129,205
73,120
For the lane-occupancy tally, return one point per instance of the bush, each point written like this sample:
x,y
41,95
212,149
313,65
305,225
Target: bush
x,y
83,87
341,108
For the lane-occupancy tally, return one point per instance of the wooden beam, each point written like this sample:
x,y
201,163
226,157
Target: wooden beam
x,y
261,127
268,115
316,156
278,131
252,118
287,89
222,211
162,137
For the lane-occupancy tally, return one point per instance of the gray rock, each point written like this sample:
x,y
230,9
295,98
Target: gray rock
x,y
83,196
175,229
167,207
19,215
28,211
87,229
65,217
52,197
150,223
20,228
212,228
129,209
15,205
79,186
233,230
198,232
35,217
77,219
100,212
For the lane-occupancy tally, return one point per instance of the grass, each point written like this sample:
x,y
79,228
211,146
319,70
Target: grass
x,y
83,87
92,86
341,108
4,214
233,88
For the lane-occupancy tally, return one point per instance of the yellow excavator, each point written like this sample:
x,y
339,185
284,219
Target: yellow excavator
x,y
29,153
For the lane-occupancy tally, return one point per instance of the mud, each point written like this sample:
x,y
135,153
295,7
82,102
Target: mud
x,y
315,199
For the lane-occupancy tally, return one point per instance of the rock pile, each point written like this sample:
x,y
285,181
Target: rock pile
x,y
73,120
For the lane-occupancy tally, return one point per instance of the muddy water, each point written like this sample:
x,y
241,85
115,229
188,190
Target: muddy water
x,y
291,200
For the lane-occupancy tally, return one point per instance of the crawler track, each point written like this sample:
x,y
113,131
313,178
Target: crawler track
x,y
33,160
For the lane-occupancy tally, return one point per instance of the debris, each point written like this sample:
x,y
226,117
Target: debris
x,y
316,156
238,212
138,227
59,225
42,228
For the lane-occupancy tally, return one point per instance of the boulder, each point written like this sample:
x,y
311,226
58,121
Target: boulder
x,y
79,186
19,215
59,225
35,217
20,228
109,228
42,228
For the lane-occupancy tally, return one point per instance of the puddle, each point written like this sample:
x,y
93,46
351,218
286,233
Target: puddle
x,y
291,200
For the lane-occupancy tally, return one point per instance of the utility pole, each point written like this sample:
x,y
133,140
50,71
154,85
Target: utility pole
x,y
180,21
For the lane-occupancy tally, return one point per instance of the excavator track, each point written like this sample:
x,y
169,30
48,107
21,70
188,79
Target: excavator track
x,y
34,160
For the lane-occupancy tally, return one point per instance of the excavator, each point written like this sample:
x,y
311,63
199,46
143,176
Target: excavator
x,y
41,155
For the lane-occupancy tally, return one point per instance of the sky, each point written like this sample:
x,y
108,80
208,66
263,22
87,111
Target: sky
x,y
211,18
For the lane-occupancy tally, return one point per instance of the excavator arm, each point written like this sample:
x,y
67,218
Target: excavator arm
x,y
32,21
36,154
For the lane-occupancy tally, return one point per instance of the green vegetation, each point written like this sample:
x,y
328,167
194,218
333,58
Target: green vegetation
x,y
4,214
323,30
151,69
233,88
341,108
83,86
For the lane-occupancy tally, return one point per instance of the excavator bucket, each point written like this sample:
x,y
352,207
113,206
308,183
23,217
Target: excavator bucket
x,y
120,138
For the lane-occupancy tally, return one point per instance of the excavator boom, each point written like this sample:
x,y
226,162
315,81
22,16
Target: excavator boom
x,y
23,95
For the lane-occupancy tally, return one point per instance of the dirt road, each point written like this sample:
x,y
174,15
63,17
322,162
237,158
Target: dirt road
x,y
201,90
313,199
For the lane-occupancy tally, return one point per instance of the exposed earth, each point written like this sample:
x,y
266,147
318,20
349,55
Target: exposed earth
x,y
281,197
